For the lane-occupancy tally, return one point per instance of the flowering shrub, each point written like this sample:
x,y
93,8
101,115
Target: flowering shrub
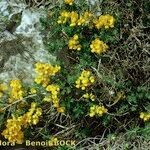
x,y
98,46
13,131
44,72
97,84
106,21
90,86
16,91
84,80
97,110
74,43
89,96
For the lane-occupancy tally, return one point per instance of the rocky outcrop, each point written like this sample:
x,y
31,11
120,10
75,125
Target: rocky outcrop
x,y
21,42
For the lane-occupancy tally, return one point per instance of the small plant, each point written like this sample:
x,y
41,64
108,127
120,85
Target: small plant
x,y
87,86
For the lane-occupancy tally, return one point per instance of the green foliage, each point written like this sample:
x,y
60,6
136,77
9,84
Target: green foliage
x,y
121,78
111,74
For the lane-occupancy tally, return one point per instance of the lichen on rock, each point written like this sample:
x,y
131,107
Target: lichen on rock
x,y
21,43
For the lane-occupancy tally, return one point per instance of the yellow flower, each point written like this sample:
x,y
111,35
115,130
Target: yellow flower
x,y
92,111
44,80
92,97
73,18
145,116
64,16
15,84
106,21
33,105
70,2
89,96
38,112
97,110
1,94
54,89
16,91
86,96
35,119
98,46
84,19
32,91
92,79
74,43
53,97
32,116
85,80
13,131
61,109
47,99
87,14
81,20
142,115
44,69
53,140
25,119
56,104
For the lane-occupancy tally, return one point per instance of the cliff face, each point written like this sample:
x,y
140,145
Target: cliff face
x,y
21,42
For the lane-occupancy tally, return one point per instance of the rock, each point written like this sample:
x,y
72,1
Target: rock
x,y
23,46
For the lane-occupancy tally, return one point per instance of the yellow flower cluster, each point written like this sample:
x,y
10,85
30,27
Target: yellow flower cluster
x,y
97,110
32,91
44,71
89,96
106,21
54,91
64,16
16,91
145,116
85,80
69,2
84,19
74,17
74,43
44,80
13,131
3,88
98,46
32,116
